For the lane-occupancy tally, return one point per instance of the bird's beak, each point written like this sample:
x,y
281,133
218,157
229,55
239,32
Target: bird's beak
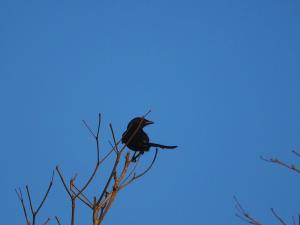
x,y
148,122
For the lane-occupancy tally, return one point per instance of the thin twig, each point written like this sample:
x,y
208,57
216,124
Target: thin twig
x,y
143,173
98,156
277,161
278,217
110,177
146,114
89,180
97,137
63,181
46,194
90,130
47,221
243,214
73,201
33,212
57,220
95,170
135,177
113,135
29,198
116,186
296,153
20,196
104,204
81,197
73,211
132,171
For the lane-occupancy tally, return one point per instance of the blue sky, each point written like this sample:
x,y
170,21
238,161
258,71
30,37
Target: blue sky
x,y
222,81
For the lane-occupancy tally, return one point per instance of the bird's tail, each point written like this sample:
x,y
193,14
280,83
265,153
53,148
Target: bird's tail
x,y
162,146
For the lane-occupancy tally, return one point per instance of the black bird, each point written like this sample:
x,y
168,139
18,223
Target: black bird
x,y
137,140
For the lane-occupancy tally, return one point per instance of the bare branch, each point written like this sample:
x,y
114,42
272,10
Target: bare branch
x,y
104,203
132,171
47,221
118,179
90,130
81,197
296,153
73,201
146,114
243,214
99,123
57,220
94,172
29,198
46,194
89,180
110,177
114,138
143,173
277,161
135,177
73,211
98,157
105,157
116,186
20,196
278,217
97,137
63,181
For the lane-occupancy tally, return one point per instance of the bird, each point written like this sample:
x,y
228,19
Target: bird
x,y
136,139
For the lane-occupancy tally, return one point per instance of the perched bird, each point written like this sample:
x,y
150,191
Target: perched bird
x,y
137,140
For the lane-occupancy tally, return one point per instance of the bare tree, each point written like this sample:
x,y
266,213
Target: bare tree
x,y
245,216
119,177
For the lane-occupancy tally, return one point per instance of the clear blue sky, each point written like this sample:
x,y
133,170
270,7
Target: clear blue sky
x,y
222,80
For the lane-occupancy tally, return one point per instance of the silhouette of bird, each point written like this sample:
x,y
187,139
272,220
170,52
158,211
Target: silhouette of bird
x,y
137,140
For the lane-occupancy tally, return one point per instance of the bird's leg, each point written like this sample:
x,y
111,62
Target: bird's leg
x,y
135,157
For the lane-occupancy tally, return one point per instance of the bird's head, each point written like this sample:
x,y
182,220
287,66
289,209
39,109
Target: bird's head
x,y
139,120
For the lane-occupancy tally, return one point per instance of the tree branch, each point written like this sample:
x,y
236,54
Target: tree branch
x,y
243,214
47,221
20,196
63,181
135,177
114,138
277,161
84,199
29,198
46,194
278,217
57,220
296,153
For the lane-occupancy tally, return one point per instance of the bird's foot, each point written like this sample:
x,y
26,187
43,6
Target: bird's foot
x,y
133,159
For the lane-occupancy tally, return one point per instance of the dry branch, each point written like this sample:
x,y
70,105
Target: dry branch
x,y
243,214
34,213
120,176
277,217
20,196
246,216
57,220
280,162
